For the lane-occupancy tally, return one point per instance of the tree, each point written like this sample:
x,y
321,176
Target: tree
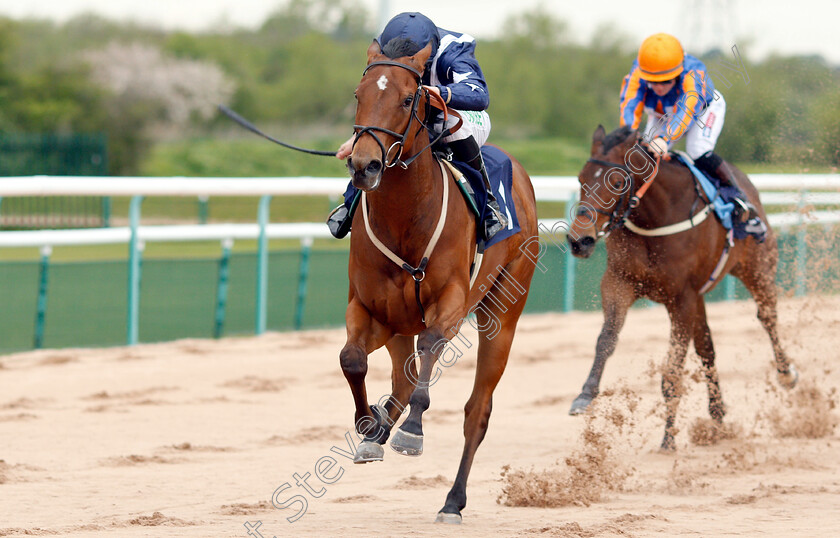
x,y
149,93
826,125
183,90
6,27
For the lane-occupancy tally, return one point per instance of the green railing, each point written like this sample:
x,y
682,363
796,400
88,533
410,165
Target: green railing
x,y
85,304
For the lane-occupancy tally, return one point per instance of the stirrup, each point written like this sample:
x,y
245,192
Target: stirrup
x,y
756,227
747,211
338,222
491,228
495,222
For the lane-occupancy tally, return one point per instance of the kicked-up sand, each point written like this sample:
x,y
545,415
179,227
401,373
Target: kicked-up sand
x,y
192,438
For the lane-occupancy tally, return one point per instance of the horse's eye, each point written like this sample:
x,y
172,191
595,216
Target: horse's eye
x,y
407,101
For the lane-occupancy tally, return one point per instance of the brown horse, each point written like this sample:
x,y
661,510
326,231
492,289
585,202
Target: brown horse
x,y
405,195
672,268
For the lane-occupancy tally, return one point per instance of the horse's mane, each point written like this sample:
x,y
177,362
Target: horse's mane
x,y
616,137
400,47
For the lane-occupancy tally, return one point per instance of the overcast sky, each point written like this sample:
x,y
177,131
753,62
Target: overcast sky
x,y
801,27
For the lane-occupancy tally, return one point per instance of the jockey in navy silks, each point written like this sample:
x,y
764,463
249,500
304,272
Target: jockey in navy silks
x,y
452,72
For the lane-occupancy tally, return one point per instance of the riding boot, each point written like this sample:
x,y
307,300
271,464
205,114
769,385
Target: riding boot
x,y
468,150
338,223
340,218
711,163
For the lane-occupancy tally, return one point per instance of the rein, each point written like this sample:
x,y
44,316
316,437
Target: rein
x,y
621,211
371,130
251,127
620,214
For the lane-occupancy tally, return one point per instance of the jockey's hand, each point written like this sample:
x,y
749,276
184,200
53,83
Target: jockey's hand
x,y
345,149
659,146
432,89
440,102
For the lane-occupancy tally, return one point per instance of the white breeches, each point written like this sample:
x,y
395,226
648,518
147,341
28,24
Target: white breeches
x,y
476,124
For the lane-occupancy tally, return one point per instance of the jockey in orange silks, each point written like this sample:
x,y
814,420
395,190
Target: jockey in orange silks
x,y
680,100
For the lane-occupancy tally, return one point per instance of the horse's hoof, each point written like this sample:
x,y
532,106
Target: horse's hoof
x,y
668,446
788,379
717,411
452,519
369,451
409,444
580,405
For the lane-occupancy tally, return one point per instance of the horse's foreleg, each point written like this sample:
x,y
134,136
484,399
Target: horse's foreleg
x,y
758,278
408,439
617,297
682,311
445,314
364,334
401,349
706,350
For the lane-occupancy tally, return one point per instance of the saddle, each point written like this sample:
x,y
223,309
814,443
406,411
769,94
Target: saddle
x,y
500,172
722,199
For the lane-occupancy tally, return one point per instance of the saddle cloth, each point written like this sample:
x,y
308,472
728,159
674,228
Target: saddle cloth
x,y
723,198
500,171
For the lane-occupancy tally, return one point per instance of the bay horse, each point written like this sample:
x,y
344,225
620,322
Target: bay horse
x,y
673,268
409,213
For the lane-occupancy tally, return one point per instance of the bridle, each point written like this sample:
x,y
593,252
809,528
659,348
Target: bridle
x,y
628,202
371,130
621,209
417,273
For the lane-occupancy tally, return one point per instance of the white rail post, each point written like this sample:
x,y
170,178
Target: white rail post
x,y
262,265
305,250
41,313
569,275
801,247
222,288
134,253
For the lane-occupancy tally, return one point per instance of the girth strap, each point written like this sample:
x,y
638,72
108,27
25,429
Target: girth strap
x,y
721,263
672,228
417,273
478,257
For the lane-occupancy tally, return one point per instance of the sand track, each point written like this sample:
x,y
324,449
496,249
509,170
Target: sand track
x,y
191,438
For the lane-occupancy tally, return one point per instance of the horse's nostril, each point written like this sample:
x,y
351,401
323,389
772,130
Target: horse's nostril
x,y
374,167
587,241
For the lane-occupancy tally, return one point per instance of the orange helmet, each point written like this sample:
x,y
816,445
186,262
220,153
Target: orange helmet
x,y
660,58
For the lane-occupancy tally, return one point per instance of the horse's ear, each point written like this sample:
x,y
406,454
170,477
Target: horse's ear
x,y
598,140
421,57
373,50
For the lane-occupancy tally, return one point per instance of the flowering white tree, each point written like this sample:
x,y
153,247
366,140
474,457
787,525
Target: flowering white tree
x,y
180,90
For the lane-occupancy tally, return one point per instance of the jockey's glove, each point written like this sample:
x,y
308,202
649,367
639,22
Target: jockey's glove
x,y
659,145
